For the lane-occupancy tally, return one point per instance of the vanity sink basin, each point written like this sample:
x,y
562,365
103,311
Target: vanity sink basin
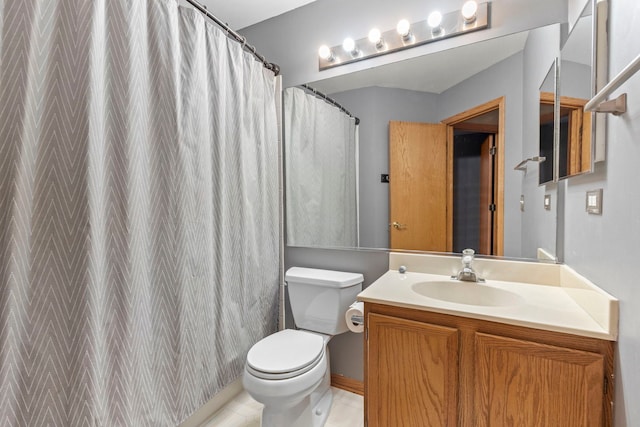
x,y
467,293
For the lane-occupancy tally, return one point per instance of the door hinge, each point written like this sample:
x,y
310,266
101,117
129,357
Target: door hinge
x,y
492,207
492,151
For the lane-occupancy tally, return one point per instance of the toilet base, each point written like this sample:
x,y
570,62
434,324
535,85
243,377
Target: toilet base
x,y
300,415
312,411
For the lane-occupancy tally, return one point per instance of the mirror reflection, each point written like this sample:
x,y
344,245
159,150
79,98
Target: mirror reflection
x,y
321,146
547,128
575,154
447,89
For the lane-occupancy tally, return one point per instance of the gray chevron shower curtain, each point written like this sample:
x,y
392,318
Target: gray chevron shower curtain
x,y
321,151
139,211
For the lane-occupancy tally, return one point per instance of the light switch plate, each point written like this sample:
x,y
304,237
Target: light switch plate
x,y
547,202
594,202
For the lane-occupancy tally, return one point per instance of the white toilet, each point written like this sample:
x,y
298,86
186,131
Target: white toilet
x,y
289,371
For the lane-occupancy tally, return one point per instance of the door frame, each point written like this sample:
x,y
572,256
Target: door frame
x,y
451,122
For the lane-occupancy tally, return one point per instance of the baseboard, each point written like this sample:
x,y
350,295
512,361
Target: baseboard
x,y
348,384
212,406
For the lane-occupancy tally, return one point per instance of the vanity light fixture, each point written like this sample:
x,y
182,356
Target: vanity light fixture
x,y
438,26
469,11
434,20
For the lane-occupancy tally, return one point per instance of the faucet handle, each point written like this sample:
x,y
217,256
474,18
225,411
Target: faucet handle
x,y
467,256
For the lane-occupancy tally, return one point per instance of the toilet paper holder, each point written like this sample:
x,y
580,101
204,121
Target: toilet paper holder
x,y
354,317
357,320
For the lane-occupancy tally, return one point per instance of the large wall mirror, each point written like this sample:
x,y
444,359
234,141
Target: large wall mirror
x,y
405,98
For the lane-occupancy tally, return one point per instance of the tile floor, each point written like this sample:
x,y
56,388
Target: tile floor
x,y
243,411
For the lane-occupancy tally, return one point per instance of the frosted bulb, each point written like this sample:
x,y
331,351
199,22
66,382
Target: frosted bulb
x,y
375,36
349,45
434,20
469,10
325,52
403,28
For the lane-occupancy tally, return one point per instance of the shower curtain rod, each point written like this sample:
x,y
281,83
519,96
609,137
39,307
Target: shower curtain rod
x,y
237,37
330,101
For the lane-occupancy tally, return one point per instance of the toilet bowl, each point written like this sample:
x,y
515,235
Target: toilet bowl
x,y
292,396
289,371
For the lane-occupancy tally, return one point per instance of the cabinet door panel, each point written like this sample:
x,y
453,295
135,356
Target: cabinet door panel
x,y
521,383
413,373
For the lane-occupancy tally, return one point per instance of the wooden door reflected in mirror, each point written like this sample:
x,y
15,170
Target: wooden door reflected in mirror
x,y
446,185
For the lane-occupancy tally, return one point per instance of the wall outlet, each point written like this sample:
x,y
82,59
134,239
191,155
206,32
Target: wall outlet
x,y
547,202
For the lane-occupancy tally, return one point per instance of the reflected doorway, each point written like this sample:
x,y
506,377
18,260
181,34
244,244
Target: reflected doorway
x,y
473,191
476,176
446,182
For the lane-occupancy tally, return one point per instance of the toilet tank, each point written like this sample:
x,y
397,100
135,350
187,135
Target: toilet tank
x,y
320,298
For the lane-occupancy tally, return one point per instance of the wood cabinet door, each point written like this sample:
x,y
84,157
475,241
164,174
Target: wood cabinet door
x,y
525,384
412,375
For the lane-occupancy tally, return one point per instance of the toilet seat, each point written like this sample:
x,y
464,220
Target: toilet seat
x,y
285,354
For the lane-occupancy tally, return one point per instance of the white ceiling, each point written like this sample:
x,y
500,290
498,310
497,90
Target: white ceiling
x,y
239,14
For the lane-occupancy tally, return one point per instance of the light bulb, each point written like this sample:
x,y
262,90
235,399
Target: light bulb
x,y
375,37
434,21
325,53
469,10
349,45
404,29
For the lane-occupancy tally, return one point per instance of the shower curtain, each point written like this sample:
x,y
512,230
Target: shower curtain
x,y
321,158
139,211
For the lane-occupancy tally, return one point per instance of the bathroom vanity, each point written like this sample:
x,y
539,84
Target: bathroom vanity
x,y
532,347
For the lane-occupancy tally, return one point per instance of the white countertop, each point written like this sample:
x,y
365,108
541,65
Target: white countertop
x,y
576,306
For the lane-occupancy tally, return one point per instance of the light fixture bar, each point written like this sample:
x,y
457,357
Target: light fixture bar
x,y
453,24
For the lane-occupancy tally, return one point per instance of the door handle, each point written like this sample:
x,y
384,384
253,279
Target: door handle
x,y
398,226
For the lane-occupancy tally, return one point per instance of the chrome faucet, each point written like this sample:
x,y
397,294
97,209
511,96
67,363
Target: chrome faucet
x,y
467,273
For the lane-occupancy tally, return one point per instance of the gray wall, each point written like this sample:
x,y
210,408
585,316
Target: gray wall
x,y
605,248
376,106
575,80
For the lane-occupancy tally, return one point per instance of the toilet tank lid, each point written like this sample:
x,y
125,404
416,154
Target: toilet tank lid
x,y
329,278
